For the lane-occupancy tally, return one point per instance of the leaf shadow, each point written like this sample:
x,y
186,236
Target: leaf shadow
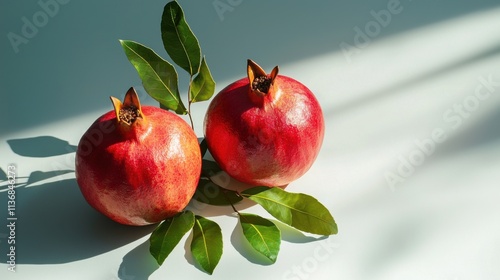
x,y
138,263
243,247
200,205
294,235
207,210
187,252
288,234
40,146
3,175
38,176
56,225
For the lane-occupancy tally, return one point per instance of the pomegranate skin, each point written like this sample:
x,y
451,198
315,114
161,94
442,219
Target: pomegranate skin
x,y
268,140
141,174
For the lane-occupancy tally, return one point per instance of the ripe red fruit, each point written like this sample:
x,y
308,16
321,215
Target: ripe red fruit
x,y
138,165
264,129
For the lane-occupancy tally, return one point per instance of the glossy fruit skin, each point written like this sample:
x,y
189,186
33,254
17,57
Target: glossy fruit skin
x,y
142,174
268,140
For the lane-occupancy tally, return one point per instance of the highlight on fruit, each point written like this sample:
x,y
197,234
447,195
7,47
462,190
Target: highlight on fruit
x,y
136,164
272,126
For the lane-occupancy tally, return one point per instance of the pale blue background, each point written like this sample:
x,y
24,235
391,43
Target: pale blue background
x,y
76,58
441,223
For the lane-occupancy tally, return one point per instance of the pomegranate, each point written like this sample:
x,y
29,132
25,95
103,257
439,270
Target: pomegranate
x,y
138,165
264,129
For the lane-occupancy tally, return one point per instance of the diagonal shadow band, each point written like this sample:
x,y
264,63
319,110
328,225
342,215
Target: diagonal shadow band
x,y
56,225
397,87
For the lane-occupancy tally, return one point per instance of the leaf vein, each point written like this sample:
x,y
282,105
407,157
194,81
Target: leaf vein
x,y
261,237
155,74
182,43
289,207
205,246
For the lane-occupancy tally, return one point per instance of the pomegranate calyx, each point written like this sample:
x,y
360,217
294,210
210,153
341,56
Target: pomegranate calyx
x,y
129,111
260,82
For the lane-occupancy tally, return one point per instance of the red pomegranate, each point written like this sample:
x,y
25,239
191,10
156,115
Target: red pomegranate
x,y
265,129
138,165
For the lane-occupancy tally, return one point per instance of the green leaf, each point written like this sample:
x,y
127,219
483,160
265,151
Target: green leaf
x,y
178,39
263,235
203,86
206,246
168,234
210,193
158,76
298,210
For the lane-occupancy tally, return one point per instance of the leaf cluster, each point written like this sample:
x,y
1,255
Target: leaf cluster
x,y
159,77
300,211
160,80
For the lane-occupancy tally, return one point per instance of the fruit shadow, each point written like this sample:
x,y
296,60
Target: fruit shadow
x,y
138,263
56,225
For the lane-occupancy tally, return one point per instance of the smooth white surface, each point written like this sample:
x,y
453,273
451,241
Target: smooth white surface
x,y
440,223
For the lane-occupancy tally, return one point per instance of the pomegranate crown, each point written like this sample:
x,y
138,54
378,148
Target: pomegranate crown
x,y
128,112
260,82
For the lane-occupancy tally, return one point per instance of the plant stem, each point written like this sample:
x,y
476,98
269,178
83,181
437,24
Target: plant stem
x,y
190,101
189,114
227,198
230,202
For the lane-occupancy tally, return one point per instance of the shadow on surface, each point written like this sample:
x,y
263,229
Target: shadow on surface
x,y
484,131
292,32
41,146
245,249
56,225
377,96
207,210
138,263
3,175
293,235
288,234
187,252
